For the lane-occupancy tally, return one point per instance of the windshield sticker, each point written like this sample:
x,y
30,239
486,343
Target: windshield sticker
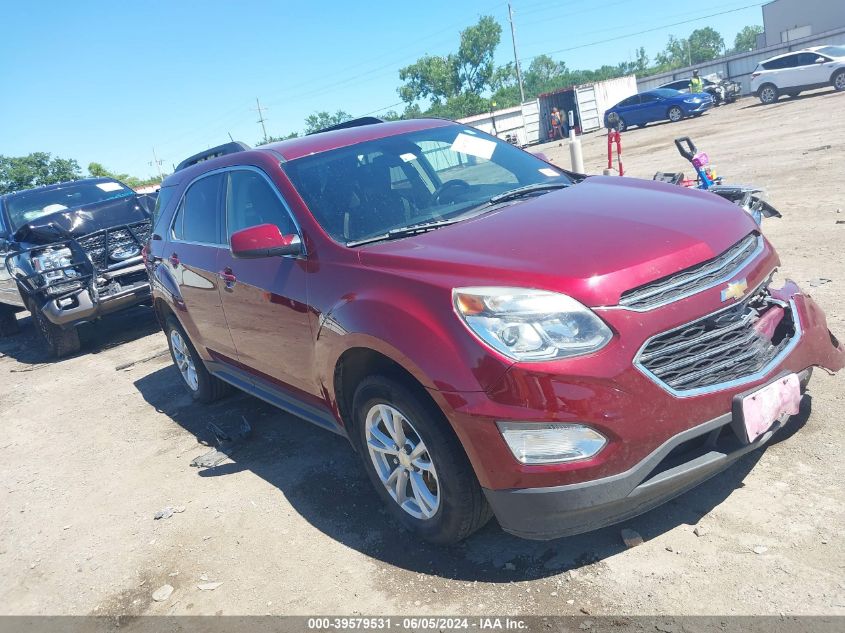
x,y
480,147
408,157
109,186
548,171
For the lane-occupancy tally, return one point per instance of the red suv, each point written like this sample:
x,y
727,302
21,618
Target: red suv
x,y
493,334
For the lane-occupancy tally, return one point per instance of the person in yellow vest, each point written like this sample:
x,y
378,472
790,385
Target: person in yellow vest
x,y
695,84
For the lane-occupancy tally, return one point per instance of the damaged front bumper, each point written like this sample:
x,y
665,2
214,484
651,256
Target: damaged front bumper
x,y
665,434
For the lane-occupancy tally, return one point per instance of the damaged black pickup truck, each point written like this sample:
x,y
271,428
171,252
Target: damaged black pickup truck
x,y
71,253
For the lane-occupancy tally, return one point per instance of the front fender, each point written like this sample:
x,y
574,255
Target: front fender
x,y
416,329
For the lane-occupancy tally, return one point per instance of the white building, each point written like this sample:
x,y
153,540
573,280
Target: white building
x,y
788,20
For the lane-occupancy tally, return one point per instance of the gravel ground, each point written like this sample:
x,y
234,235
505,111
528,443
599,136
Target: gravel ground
x,y
91,450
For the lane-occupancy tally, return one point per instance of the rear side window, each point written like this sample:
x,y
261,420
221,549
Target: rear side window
x,y
199,218
251,200
630,101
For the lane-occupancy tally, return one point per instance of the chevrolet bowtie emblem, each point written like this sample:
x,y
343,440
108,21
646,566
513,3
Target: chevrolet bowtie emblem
x,y
734,290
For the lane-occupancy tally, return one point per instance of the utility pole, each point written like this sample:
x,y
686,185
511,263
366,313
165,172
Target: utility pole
x,y
515,56
157,164
261,118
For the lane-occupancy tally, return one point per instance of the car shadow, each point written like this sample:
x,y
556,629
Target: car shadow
x,y
322,478
110,331
783,99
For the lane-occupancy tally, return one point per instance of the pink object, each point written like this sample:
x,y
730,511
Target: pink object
x,y
763,407
700,160
768,323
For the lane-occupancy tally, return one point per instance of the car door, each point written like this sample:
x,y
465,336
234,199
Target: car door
x,y
628,110
788,72
8,291
651,108
815,68
265,299
191,256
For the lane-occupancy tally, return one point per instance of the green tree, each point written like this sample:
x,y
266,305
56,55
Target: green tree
x,y
320,120
461,77
274,139
97,170
701,46
746,39
34,170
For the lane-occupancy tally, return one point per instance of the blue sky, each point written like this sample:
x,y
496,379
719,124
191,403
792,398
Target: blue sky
x,y
108,81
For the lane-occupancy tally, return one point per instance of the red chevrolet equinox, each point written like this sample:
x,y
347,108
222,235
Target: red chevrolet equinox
x,y
494,335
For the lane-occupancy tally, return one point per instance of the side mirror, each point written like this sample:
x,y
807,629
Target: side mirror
x,y
820,60
543,157
264,240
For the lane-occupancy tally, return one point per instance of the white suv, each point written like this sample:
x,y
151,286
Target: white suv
x,y
791,73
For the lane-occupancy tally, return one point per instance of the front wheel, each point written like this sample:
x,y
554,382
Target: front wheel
x,y
416,463
838,80
56,340
675,114
768,94
202,386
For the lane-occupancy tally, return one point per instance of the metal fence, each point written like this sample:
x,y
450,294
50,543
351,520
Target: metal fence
x,y
739,67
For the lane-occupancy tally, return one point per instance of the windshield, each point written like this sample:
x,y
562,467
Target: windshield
x,y
27,206
833,51
433,175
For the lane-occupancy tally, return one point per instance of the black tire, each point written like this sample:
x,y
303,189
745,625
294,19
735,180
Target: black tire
x,y
57,341
8,321
207,387
462,507
768,94
675,114
838,81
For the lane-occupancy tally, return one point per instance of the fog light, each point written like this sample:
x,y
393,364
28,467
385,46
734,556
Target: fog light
x,y
542,443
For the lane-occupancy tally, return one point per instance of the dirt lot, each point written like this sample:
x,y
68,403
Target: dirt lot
x,y
90,451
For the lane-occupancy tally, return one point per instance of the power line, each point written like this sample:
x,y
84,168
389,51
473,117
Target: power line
x,y
651,30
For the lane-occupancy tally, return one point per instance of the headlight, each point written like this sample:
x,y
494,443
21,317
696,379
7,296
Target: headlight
x,y
527,324
693,100
541,443
45,260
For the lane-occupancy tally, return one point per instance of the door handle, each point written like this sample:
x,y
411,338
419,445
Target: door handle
x,y
174,260
228,278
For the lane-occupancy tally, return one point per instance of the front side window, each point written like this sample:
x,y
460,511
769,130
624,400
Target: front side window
x,y
199,218
251,200
406,180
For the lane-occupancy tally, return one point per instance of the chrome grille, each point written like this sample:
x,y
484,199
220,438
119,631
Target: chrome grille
x,y
130,235
695,279
719,349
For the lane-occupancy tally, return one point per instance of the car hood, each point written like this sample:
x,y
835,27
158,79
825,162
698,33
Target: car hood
x,y
592,241
82,220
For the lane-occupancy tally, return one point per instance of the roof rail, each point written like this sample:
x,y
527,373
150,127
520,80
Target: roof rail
x,y
360,121
214,152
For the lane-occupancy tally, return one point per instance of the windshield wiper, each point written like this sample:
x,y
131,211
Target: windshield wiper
x,y
406,231
527,190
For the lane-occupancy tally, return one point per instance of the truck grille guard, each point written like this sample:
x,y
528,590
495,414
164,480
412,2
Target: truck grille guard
x,y
90,255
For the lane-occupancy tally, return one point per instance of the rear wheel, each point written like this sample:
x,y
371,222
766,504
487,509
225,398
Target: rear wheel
x,y
8,321
416,464
621,126
202,386
675,114
57,341
768,94
838,80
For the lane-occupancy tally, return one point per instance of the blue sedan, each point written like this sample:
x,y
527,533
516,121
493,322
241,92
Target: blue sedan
x,y
658,105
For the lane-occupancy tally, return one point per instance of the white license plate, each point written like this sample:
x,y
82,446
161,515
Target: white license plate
x,y
761,409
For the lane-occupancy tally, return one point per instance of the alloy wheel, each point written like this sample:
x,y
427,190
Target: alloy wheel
x,y
402,461
768,95
183,359
839,81
675,114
